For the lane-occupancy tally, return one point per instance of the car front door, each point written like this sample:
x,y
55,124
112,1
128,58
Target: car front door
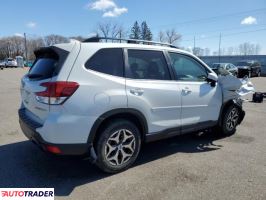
x,y
200,101
150,89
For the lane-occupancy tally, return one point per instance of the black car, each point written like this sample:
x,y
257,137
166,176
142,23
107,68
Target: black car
x,y
249,68
220,68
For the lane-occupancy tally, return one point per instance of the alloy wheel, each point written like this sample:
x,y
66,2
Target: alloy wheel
x,y
232,119
120,147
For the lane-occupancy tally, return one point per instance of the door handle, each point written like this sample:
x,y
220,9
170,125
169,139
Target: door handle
x,y
186,91
137,91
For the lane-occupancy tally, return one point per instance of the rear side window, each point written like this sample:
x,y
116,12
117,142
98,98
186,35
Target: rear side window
x,y
48,63
146,64
108,61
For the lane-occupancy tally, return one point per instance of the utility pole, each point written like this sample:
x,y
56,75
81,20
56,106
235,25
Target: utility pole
x,y
26,49
220,47
194,45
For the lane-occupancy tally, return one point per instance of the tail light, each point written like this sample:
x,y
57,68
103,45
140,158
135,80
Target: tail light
x,y
52,149
56,92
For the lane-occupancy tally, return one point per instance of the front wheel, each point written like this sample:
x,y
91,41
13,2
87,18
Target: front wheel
x,y
230,120
118,146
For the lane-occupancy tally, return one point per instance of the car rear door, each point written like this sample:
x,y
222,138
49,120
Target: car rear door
x,y
150,89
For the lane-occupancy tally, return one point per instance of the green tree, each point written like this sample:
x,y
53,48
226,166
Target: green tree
x,y
135,31
145,32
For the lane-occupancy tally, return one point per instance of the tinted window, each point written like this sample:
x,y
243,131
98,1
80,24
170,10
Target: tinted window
x,y
108,61
43,68
187,69
48,63
146,64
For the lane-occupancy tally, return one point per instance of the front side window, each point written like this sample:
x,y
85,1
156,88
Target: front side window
x,y
146,64
187,69
108,61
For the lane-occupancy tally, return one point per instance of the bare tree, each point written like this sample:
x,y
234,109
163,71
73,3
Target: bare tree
x,y
4,48
32,45
112,30
11,46
161,36
54,39
79,38
172,36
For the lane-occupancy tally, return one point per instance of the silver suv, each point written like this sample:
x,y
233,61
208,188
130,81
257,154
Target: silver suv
x,y
107,99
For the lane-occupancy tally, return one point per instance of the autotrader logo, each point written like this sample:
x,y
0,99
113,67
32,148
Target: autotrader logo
x,y
27,193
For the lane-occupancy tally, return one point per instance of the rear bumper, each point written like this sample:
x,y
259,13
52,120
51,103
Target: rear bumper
x,y
28,126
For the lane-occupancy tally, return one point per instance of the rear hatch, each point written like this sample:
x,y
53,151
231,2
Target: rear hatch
x,y
46,67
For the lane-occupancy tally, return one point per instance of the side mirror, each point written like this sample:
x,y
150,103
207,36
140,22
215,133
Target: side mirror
x,y
212,79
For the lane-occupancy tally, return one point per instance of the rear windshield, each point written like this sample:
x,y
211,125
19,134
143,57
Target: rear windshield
x,y
47,64
43,68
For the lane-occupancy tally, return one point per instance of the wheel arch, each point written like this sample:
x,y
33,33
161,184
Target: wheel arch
x,y
126,113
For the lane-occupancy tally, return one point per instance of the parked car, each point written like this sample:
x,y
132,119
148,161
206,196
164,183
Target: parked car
x,y
10,62
107,99
28,63
249,68
2,64
218,68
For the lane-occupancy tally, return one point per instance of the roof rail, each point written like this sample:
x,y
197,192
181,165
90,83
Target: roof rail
x,y
134,41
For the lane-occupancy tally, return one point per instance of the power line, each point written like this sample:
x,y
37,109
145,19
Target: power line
x,y
212,18
226,35
226,29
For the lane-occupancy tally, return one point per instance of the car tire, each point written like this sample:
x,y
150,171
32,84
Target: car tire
x,y
118,146
230,120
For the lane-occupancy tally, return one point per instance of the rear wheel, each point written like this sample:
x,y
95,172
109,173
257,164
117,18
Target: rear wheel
x,y
118,146
229,121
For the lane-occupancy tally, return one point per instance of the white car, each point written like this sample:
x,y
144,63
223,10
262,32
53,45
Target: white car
x,y
107,99
10,62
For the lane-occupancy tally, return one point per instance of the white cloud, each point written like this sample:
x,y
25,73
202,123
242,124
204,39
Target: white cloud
x,y
115,12
19,35
109,8
31,24
249,20
101,5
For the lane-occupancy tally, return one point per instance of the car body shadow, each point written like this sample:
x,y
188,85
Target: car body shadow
x,y
22,164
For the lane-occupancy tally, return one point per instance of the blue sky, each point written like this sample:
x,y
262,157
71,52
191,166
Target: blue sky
x,y
204,19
